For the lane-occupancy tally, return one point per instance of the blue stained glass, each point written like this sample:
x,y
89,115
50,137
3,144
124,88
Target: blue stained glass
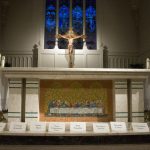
x,y
64,12
77,21
50,24
50,18
64,18
77,15
90,18
91,40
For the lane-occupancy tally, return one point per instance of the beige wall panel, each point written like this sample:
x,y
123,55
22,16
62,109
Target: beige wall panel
x,y
47,60
93,61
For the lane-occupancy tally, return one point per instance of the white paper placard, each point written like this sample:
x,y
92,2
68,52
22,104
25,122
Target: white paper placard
x,y
118,127
38,126
2,126
78,127
101,128
17,127
58,127
140,127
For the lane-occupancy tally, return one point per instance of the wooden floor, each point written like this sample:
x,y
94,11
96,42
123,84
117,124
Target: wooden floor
x,y
73,147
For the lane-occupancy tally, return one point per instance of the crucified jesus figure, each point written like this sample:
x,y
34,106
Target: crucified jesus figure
x,y
70,36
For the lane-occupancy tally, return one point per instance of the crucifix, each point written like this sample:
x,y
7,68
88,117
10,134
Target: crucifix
x,y
70,36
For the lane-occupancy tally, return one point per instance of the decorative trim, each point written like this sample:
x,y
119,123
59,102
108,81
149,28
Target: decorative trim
x,y
17,52
125,114
18,114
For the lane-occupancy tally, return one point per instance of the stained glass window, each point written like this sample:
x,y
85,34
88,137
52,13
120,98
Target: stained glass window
x,y
77,21
91,24
64,10
50,24
78,14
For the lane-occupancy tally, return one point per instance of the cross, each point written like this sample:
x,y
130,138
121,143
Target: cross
x,y
70,36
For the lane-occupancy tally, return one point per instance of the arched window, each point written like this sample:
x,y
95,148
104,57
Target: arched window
x,y
78,14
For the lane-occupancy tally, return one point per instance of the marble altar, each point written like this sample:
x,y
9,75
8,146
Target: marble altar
x,y
76,73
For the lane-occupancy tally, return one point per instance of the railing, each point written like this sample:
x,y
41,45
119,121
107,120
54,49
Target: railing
x,y
110,60
114,61
121,61
22,60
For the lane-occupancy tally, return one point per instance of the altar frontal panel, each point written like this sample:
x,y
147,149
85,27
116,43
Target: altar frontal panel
x,y
76,100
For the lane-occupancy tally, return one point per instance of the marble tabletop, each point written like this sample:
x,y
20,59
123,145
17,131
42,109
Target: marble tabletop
x,y
74,73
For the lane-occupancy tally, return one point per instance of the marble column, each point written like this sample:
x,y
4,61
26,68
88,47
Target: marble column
x,y
4,92
147,95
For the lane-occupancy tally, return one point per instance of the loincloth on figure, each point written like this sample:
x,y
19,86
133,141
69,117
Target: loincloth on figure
x,y
70,48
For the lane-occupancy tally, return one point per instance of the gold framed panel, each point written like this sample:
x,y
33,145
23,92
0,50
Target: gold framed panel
x,y
76,100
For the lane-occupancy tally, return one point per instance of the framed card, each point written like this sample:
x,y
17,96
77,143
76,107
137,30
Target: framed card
x,y
78,127
101,128
118,127
17,127
56,127
140,127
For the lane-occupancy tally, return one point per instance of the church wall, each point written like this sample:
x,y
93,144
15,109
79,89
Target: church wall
x,y
0,35
0,41
0,28
21,31
115,29
117,26
144,28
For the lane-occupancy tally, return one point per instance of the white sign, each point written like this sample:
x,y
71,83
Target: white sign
x,y
58,127
140,127
17,127
38,126
118,127
2,126
101,127
78,127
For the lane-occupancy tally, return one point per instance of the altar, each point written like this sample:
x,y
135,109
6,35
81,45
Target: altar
x,y
89,137
80,74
